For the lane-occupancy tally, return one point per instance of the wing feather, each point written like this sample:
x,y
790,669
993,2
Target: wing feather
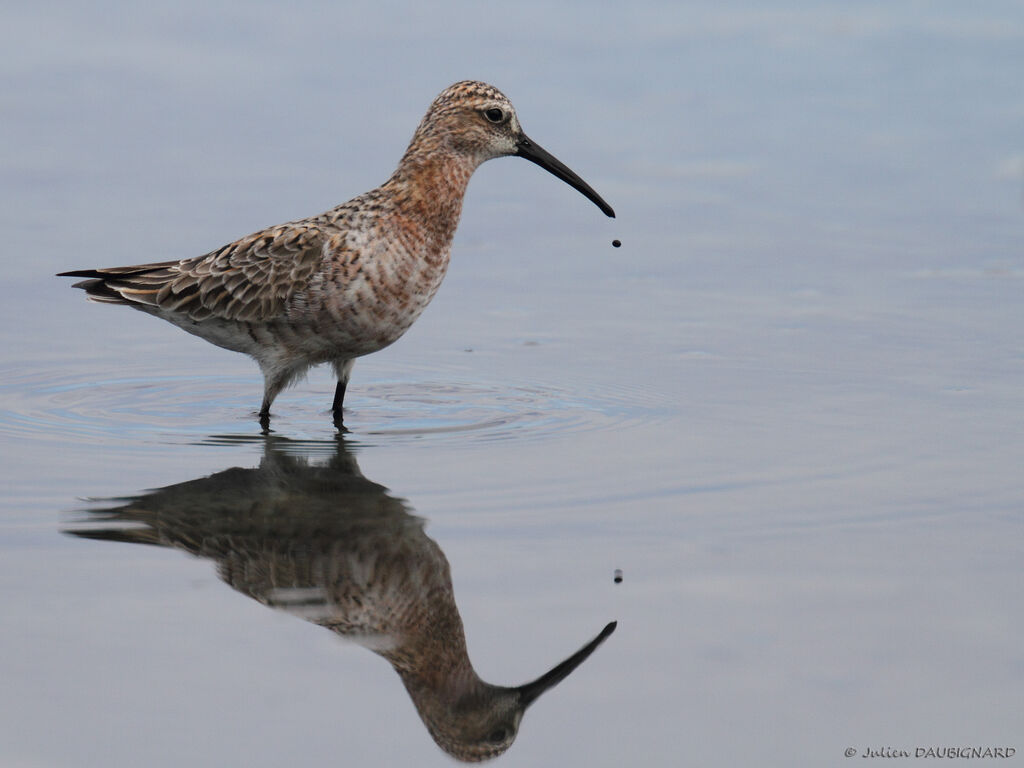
x,y
250,279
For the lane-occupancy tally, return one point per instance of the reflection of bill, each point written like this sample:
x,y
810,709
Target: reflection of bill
x,y
323,542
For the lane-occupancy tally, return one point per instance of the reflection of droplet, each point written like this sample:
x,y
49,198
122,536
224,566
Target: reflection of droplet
x,y
616,243
618,575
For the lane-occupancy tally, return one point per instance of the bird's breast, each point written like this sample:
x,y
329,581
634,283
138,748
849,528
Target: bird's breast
x,y
366,296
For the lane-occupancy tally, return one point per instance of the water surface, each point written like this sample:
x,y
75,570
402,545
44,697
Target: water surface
x,y
788,408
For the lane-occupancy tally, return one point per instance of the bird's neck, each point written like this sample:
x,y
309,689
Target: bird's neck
x,y
428,188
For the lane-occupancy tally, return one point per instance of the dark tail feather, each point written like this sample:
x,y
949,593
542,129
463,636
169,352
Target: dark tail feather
x,y
109,272
110,284
96,288
83,273
126,535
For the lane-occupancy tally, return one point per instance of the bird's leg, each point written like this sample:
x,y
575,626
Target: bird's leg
x,y
264,414
275,378
343,369
336,409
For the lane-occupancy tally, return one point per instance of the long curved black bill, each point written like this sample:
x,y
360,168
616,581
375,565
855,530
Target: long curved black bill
x,y
530,150
531,691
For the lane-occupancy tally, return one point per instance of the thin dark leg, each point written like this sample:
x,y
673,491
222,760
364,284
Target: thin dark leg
x,y
339,399
265,413
274,381
342,369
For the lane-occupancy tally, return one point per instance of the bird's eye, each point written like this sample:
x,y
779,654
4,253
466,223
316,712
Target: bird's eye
x,y
495,115
497,736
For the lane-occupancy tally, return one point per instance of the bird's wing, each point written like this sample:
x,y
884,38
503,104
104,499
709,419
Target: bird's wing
x,y
247,280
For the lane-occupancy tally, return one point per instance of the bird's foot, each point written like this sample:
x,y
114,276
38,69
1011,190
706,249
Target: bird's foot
x,y
339,421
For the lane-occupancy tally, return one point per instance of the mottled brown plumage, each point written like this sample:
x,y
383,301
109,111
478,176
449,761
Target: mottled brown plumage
x,y
325,544
350,281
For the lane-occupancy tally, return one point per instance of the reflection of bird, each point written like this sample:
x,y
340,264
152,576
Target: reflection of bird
x,y
334,287
325,543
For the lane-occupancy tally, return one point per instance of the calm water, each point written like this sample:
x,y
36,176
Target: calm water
x,y
790,408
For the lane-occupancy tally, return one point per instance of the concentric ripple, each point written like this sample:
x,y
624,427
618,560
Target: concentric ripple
x,y
56,405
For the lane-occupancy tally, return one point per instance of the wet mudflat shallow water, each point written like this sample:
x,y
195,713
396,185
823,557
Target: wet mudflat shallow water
x,y
788,408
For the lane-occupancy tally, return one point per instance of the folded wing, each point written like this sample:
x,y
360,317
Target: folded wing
x,y
250,279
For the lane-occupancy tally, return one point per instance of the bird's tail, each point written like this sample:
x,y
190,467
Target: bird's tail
x,y
123,285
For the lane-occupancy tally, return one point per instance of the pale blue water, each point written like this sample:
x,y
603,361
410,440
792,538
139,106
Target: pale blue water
x,y
790,407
